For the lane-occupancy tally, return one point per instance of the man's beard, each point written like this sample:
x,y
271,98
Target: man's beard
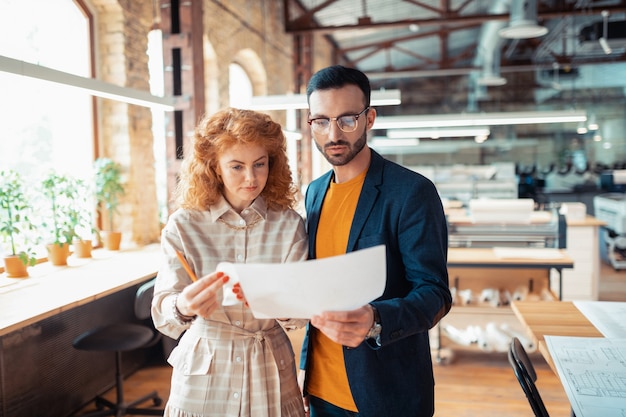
x,y
344,159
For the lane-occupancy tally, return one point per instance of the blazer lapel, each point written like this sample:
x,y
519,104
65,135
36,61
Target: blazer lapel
x,y
314,209
367,199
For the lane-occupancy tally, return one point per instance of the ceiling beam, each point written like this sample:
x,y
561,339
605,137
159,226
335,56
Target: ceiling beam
x,y
447,72
307,22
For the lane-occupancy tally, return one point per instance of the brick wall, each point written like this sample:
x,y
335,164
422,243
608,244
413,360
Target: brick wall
x,y
248,32
125,131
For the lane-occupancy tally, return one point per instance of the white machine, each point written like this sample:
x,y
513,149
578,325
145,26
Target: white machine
x,y
611,209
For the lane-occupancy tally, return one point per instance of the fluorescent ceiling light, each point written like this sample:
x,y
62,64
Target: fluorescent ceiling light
x,y
90,85
491,80
278,102
438,133
381,142
479,119
292,135
298,101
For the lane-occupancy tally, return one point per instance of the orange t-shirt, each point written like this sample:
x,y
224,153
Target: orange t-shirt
x,y
327,378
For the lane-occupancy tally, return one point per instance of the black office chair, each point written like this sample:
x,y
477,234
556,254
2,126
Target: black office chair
x,y
526,375
120,337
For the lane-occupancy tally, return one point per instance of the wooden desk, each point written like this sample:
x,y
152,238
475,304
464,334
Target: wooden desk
x,y
41,315
486,258
560,318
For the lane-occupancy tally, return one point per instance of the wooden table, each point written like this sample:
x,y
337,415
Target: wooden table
x,y
486,258
558,318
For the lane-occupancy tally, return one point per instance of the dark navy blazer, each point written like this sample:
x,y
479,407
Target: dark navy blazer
x,y
402,210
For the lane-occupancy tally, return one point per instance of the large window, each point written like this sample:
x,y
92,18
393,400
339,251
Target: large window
x,y
240,87
45,126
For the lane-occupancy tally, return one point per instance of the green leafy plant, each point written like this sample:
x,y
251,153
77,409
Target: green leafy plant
x,y
80,214
108,187
15,223
61,192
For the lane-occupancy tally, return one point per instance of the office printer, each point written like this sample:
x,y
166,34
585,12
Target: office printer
x,y
494,222
611,209
613,181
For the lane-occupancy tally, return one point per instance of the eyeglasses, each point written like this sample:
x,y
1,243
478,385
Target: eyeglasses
x,y
347,123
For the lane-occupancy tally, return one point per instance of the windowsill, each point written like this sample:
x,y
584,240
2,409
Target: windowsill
x,y
52,289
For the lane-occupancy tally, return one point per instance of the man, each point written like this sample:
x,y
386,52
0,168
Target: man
x,y
375,360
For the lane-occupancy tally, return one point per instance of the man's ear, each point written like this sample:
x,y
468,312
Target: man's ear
x,y
371,117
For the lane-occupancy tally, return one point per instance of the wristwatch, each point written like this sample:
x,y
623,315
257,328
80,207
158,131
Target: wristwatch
x,y
374,332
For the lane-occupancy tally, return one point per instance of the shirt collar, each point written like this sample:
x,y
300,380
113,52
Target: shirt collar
x,y
222,207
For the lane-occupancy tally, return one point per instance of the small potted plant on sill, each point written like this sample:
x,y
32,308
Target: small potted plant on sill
x,y
80,217
15,225
108,190
61,194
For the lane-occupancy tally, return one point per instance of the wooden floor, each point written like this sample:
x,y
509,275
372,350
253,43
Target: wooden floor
x,y
474,383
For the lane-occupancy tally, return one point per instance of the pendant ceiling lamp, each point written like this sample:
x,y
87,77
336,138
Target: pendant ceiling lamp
x,y
490,75
523,23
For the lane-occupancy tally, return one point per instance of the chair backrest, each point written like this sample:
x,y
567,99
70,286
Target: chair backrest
x,y
526,376
143,300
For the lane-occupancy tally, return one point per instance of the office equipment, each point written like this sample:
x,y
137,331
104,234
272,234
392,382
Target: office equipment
x,y
510,226
613,181
117,338
573,211
501,210
611,208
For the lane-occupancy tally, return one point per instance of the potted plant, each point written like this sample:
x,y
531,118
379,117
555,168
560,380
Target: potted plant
x,y
80,217
15,225
61,194
108,190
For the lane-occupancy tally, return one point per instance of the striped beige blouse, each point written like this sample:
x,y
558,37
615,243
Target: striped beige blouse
x,y
229,364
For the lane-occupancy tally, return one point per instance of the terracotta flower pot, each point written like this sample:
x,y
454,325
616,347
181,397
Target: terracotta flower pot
x,y
58,253
111,240
14,267
82,248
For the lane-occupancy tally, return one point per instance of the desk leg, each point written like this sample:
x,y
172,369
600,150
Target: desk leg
x,y
560,272
443,356
439,342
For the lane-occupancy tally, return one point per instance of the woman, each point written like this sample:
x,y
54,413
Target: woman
x,y
236,200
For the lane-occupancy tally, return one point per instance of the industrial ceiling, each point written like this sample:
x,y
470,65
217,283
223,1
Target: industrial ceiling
x,y
449,56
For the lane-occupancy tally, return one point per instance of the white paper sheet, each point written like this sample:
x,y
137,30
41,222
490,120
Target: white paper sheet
x,y
606,316
304,289
527,253
593,373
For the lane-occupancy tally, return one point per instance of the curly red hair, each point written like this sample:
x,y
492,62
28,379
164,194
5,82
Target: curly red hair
x,y
200,185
